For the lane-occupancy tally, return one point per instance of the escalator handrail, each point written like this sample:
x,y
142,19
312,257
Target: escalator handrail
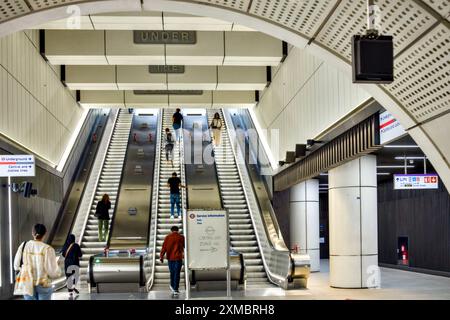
x,y
273,277
155,198
271,211
91,201
184,210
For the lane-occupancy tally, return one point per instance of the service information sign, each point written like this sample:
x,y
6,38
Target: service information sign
x,y
390,128
207,239
17,166
415,181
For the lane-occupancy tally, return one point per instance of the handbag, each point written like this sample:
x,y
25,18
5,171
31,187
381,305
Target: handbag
x,y
24,280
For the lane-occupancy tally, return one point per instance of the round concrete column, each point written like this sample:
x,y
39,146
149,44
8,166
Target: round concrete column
x,y
353,224
304,220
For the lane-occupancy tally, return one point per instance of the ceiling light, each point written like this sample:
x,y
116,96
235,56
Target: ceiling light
x,y
395,167
383,173
401,146
410,158
323,174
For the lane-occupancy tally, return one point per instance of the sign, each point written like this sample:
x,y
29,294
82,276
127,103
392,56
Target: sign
x,y
132,211
415,181
207,239
166,69
173,92
164,37
17,166
390,128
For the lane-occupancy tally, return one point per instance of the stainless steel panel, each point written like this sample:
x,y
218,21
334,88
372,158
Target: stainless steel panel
x,y
130,225
201,178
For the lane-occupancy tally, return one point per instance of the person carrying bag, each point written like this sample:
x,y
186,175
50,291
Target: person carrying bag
x,y
37,265
24,278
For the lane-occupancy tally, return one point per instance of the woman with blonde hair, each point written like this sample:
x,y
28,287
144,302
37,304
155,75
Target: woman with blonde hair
x,y
102,214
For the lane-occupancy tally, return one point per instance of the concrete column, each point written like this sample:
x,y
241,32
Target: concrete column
x,y
353,224
304,220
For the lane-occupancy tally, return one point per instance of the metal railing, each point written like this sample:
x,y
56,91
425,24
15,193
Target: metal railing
x,y
155,200
184,213
275,255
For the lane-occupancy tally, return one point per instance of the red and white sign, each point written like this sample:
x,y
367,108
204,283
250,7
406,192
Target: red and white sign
x,y
390,128
416,181
17,166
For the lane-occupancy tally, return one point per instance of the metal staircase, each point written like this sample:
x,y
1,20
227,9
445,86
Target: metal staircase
x,y
161,279
242,234
109,182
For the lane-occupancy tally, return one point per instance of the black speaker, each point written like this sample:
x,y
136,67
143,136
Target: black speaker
x,y
290,156
300,150
372,59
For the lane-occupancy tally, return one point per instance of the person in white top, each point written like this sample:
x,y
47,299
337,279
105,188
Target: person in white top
x,y
216,126
42,259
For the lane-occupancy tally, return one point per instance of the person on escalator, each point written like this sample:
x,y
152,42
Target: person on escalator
x,y
71,251
102,214
216,126
174,183
176,123
168,145
173,248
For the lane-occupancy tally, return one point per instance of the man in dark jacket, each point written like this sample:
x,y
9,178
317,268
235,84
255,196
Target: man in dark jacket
x,y
173,247
102,214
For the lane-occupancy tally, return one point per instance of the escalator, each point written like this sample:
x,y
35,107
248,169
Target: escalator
x,y
254,230
160,279
242,234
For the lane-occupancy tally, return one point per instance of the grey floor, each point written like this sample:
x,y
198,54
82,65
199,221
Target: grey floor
x,y
395,284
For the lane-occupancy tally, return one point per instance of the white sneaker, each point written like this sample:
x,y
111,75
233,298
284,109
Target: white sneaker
x,y
171,289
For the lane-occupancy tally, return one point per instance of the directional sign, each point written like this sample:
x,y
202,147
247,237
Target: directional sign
x,y
416,181
207,239
17,166
390,128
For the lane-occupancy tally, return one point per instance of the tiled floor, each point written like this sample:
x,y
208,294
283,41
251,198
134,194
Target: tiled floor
x,y
395,284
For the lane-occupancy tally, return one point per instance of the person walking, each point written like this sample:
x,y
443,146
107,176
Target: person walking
x,y
169,145
216,126
174,183
36,263
71,251
173,248
102,214
177,118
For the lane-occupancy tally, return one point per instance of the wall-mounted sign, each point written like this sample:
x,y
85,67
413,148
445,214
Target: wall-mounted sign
x,y
173,92
166,69
164,37
415,181
17,166
390,128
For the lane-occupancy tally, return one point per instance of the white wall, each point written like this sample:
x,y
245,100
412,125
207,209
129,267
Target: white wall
x,y
306,96
37,111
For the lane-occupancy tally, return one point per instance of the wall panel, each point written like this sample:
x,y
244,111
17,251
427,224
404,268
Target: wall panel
x,y
305,97
38,112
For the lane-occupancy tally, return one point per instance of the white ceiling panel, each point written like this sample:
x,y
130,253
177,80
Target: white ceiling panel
x,y
145,20
422,75
304,16
403,19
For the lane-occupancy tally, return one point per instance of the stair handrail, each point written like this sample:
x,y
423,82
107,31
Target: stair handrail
x,y
155,201
279,259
